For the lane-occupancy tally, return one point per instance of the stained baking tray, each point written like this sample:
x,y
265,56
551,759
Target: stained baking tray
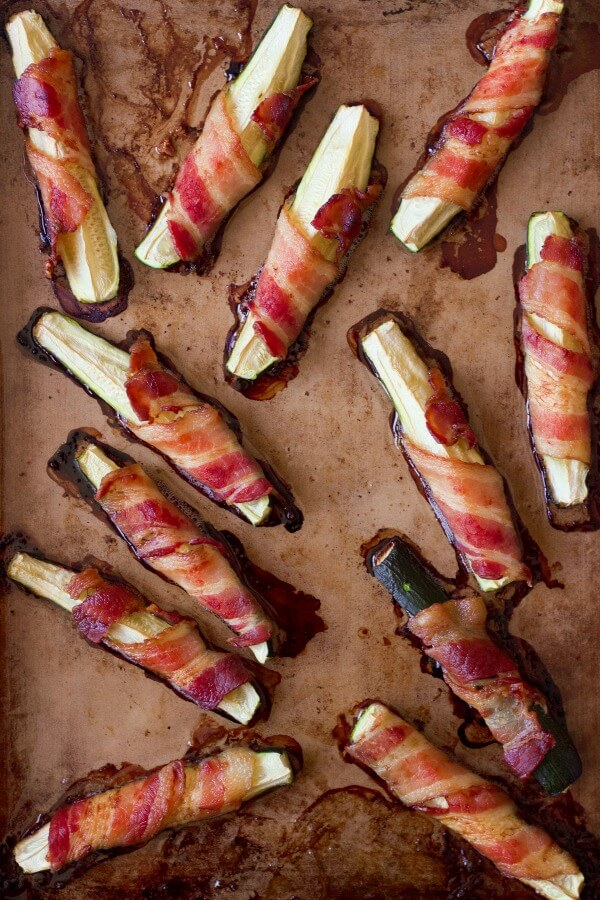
x,y
148,71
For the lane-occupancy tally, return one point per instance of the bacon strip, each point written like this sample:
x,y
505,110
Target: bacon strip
x,y
171,544
469,151
179,793
178,654
273,114
558,379
296,274
425,779
46,99
218,173
470,501
484,676
190,431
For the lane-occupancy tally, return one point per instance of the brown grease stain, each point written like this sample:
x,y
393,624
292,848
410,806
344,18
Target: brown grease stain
x,y
471,245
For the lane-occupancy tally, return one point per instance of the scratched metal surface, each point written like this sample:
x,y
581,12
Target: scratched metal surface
x,y
69,709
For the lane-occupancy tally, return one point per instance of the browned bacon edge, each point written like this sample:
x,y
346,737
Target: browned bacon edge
x,y
114,776
284,508
278,376
585,516
310,74
532,553
264,680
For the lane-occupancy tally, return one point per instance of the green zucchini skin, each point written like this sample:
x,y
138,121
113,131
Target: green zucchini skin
x,y
413,587
562,764
397,567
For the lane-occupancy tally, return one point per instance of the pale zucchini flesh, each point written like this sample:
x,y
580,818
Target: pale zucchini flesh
x,y
566,479
88,254
50,581
274,67
343,159
419,219
406,380
103,369
95,465
272,769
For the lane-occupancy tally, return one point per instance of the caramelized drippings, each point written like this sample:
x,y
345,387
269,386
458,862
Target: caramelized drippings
x,y
471,246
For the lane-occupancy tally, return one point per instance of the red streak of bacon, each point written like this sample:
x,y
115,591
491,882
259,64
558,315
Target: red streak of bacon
x,y
443,415
273,114
340,218
103,605
189,430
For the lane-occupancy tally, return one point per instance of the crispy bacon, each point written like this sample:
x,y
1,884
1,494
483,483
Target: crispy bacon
x,y
273,114
178,654
341,217
558,379
296,275
179,793
445,419
484,676
46,99
102,603
470,501
190,431
469,151
171,544
424,778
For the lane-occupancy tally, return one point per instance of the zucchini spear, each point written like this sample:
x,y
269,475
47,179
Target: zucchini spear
x,y
50,582
566,478
89,254
420,218
394,564
274,67
405,377
94,465
342,160
103,369
272,768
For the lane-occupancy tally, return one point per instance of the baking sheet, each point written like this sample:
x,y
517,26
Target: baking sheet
x,y
68,709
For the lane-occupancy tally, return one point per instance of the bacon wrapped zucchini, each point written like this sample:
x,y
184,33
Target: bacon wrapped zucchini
x,y
188,553
242,129
468,495
425,779
316,227
478,135
199,438
453,632
113,613
558,346
183,792
76,222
